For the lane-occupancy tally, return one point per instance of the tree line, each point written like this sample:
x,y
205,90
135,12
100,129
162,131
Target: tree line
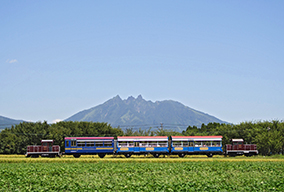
x,y
267,135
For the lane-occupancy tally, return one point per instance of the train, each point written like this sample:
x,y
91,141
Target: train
x,y
142,145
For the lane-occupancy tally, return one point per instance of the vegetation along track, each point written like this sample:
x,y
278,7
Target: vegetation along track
x,y
110,158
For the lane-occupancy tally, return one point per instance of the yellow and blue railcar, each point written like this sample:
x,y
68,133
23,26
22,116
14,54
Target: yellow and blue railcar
x,y
78,146
138,145
196,145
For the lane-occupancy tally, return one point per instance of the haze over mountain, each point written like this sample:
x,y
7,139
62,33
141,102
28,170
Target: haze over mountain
x,y
138,112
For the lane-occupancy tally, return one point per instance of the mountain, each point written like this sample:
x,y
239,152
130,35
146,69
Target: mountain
x,y
138,112
7,122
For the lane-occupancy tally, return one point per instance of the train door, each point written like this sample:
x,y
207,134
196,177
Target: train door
x,y
136,146
67,144
44,146
50,146
190,146
73,145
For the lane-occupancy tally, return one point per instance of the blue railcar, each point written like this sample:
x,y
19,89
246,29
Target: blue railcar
x,y
155,145
196,145
78,146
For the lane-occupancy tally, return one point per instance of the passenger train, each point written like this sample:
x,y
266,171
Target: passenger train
x,y
142,145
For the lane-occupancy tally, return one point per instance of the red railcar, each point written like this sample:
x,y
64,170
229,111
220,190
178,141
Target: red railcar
x,y
46,149
238,148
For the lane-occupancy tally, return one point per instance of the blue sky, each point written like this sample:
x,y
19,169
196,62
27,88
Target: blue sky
x,y
224,58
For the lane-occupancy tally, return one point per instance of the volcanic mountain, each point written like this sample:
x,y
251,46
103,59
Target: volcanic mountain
x,y
138,112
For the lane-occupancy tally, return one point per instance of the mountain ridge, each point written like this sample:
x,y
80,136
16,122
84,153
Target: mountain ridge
x,y
131,111
6,122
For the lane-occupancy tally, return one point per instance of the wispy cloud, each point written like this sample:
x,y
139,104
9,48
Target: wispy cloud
x,y
56,120
11,61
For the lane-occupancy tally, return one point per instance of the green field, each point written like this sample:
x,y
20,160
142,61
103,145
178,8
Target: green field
x,y
141,174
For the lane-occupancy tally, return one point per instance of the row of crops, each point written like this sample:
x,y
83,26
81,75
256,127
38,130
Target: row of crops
x,y
141,174
135,158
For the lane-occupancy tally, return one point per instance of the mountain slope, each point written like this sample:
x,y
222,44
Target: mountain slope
x,y
7,122
134,112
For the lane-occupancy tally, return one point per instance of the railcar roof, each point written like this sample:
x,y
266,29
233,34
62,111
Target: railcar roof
x,y
89,138
197,138
237,140
142,138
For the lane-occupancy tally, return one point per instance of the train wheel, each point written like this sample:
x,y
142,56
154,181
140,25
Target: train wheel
x,y
156,155
34,156
181,155
76,155
127,155
101,155
209,155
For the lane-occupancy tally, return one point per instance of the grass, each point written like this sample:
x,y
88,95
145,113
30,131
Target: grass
x,y
143,176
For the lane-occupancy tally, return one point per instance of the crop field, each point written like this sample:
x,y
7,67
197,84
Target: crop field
x,y
141,158
90,173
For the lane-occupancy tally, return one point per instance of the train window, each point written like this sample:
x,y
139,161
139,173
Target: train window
x,y
206,143
73,144
67,143
143,144
191,144
44,144
99,144
185,143
90,144
198,144
177,144
152,144
131,143
122,144
81,143
216,144
108,144
162,144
